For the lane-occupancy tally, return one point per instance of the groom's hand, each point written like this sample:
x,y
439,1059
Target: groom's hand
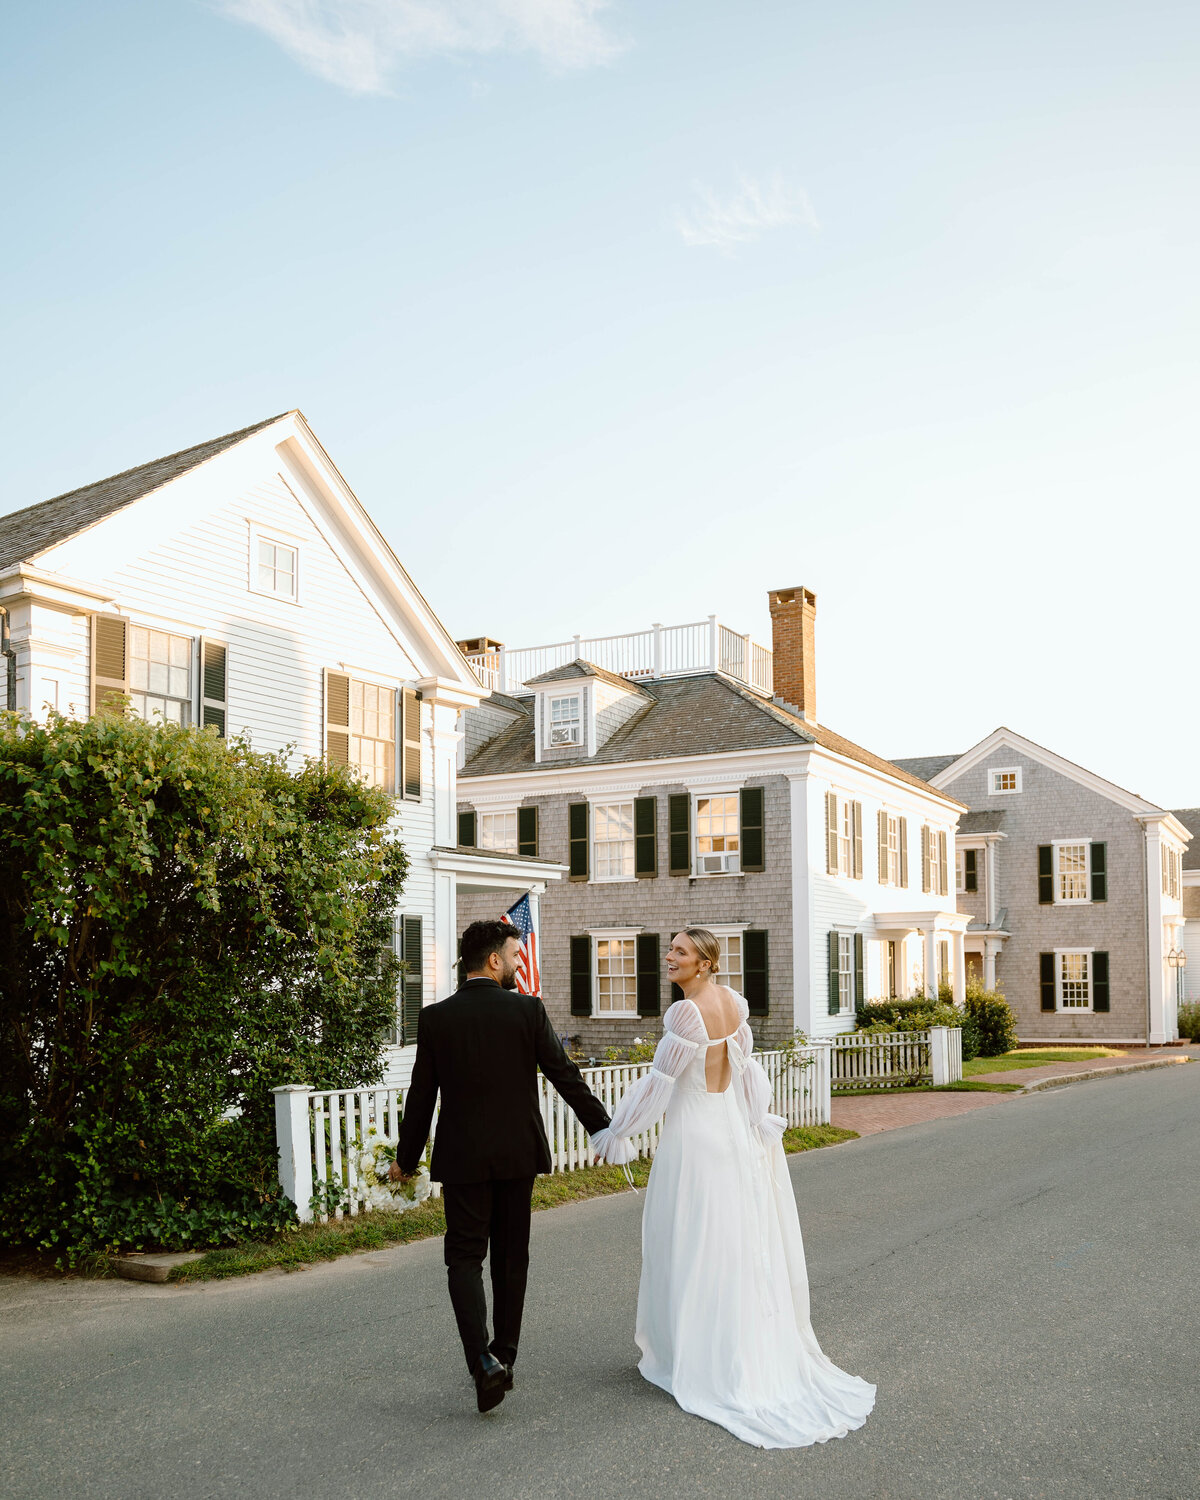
x,y
396,1175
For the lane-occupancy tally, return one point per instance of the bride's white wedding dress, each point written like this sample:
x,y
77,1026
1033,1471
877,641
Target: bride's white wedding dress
x,y
723,1310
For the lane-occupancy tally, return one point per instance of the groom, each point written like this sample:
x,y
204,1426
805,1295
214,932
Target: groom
x,y
482,1048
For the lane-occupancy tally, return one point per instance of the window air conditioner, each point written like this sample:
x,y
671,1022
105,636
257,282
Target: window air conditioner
x,y
719,864
566,735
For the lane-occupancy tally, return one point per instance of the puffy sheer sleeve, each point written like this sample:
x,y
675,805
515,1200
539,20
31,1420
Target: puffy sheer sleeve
x,y
647,1098
755,1086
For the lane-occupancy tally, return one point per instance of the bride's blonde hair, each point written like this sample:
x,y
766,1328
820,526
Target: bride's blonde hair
x,y
707,946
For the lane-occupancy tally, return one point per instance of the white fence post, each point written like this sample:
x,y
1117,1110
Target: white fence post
x,y
656,668
824,1067
939,1054
714,645
295,1147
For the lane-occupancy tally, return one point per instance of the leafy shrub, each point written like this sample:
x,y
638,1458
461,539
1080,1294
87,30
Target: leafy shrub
x,y
994,1021
184,925
1189,1020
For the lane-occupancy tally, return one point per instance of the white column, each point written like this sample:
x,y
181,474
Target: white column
x,y
989,860
959,967
1157,965
445,737
714,645
930,960
656,668
939,1054
445,934
989,963
293,1138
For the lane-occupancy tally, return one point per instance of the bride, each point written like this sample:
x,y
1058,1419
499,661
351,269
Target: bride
x,y
723,1312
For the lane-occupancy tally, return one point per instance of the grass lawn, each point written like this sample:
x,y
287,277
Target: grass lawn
x,y
1035,1057
375,1231
967,1086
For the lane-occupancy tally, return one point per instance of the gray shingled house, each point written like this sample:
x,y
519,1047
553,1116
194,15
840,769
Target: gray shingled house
x,y
1074,888
695,785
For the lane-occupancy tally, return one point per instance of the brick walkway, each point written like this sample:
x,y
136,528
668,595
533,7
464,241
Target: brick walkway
x,y
871,1113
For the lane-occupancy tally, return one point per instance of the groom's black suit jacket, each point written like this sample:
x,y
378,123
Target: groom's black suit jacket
x,y
483,1047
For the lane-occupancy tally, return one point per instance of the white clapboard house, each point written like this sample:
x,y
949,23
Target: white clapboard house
x,y
241,584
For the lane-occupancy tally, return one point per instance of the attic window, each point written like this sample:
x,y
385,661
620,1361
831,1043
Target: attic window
x,y
566,722
274,567
1006,780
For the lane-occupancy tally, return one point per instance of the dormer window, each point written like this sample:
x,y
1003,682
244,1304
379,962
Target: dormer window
x,y
566,721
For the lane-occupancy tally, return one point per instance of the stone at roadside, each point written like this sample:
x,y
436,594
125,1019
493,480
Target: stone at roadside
x,y
152,1267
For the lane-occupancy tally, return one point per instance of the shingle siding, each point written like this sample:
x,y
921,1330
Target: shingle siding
x,y
1052,806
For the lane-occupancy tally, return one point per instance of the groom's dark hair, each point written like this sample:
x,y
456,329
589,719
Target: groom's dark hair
x,y
482,939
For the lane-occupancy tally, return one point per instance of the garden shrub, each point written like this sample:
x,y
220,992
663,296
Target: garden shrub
x,y
880,1016
1189,1020
184,924
995,1023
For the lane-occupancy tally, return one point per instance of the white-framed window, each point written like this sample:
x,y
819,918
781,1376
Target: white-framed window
x,y
373,732
935,845
274,566
1171,872
498,830
565,720
615,975
1072,873
160,675
1004,780
731,970
718,834
890,874
1074,966
891,967
845,837
959,873
845,943
612,841
943,963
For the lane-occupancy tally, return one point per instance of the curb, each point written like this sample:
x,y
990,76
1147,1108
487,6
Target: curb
x,y
155,1268
1138,1067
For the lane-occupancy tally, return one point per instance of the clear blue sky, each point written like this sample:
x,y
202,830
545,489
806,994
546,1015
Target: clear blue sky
x,y
630,313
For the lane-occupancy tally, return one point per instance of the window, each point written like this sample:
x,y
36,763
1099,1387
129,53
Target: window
x,y
1074,981
934,869
843,836
616,976
160,675
566,721
845,845
890,970
612,835
890,869
373,732
1071,872
959,875
1004,781
718,835
730,965
498,830
943,964
845,942
966,870
274,567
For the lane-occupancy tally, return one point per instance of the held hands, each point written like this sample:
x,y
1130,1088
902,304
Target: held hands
x,y
396,1175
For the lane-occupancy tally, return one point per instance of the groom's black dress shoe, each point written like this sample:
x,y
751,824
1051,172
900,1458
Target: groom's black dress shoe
x,y
490,1376
508,1377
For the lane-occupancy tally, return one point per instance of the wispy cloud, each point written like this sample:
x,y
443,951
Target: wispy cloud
x,y
753,209
358,44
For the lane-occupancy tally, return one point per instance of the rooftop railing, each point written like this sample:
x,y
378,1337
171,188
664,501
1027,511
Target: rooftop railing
x,y
661,651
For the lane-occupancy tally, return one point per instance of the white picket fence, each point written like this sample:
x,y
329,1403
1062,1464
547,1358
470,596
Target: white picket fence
x,y
315,1128
897,1059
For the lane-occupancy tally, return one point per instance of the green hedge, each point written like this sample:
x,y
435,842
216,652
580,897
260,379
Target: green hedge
x,y
184,924
1189,1020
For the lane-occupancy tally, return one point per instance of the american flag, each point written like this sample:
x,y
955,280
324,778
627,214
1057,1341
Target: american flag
x,y
520,916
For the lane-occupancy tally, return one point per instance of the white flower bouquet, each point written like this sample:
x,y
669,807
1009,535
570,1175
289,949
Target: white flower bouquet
x,y
372,1159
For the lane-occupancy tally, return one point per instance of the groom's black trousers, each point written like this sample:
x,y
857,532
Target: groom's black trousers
x,y
479,1214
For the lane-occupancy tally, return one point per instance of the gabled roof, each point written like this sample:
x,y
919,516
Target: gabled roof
x,y
1190,818
926,767
580,668
707,714
26,533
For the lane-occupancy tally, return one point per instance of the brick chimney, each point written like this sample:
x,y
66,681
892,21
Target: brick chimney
x,y
793,642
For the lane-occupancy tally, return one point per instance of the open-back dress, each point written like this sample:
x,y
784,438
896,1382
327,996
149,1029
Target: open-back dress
x,y
723,1308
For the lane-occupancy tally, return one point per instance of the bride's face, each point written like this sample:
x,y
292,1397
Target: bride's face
x,y
683,960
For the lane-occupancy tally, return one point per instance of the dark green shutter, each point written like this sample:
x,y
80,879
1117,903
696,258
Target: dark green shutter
x,y
679,831
410,727
645,840
1048,1002
1100,873
755,984
649,980
970,869
527,831
581,976
466,829
414,981
214,685
1099,979
1045,875
835,999
577,838
860,987
676,993
753,833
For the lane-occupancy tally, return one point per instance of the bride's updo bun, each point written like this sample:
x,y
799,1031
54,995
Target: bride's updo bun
x,y
706,946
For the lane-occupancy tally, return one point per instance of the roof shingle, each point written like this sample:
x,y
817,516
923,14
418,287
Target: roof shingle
x,y
26,533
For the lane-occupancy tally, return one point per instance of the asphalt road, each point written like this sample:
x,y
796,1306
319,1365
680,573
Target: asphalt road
x,y
1020,1283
